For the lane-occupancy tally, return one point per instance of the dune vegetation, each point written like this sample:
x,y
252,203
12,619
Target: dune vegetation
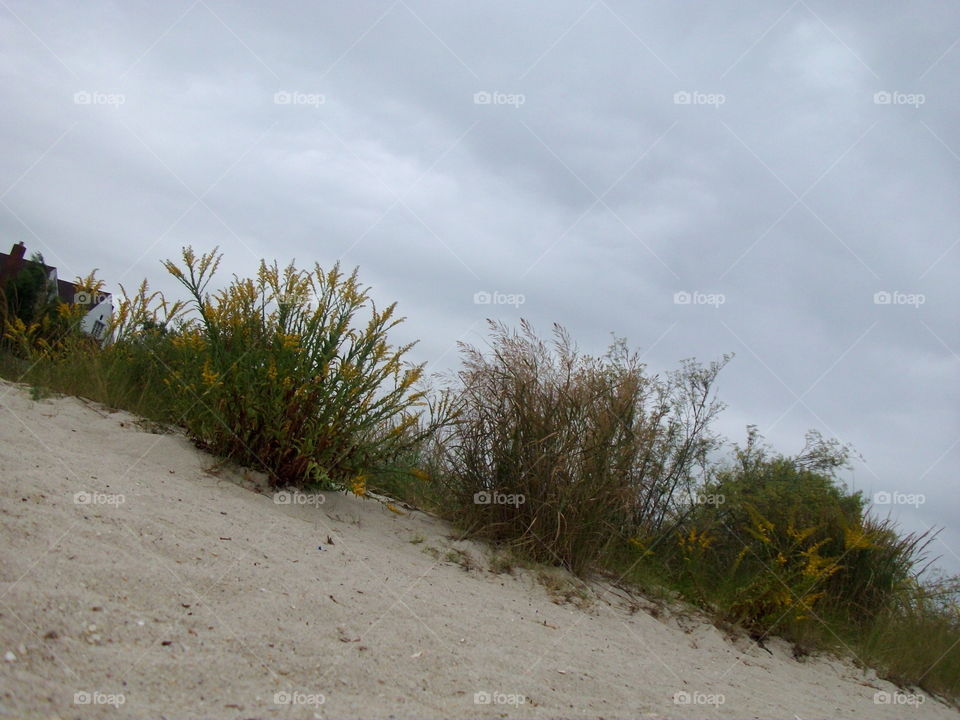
x,y
590,463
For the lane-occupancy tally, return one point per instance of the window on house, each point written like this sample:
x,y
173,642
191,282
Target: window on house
x,y
98,328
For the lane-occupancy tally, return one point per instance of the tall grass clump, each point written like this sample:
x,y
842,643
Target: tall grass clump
x,y
917,641
559,454
292,373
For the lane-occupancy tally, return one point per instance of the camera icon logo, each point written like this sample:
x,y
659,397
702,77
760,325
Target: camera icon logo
x,y
482,498
882,98
882,498
682,98
84,297
482,298
482,698
681,298
482,98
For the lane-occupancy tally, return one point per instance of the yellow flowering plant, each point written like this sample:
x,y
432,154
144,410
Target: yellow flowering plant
x,y
292,372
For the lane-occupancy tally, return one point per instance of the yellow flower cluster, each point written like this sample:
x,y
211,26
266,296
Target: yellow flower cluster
x,y
857,538
640,544
818,568
359,485
209,377
695,542
191,341
797,564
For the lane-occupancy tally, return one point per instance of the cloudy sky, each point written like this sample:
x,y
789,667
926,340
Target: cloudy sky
x,y
772,179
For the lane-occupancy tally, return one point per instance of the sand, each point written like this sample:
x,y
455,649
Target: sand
x,y
138,578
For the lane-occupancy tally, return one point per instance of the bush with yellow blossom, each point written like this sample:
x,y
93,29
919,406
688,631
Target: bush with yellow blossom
x,y
292,373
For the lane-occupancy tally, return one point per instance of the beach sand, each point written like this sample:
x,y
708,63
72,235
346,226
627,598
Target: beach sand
x,y
138,578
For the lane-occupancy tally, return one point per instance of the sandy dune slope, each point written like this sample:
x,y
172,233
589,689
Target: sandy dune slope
x,y
139,580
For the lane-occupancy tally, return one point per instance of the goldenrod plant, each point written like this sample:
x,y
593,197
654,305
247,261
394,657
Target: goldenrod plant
x,y
292,373
141,312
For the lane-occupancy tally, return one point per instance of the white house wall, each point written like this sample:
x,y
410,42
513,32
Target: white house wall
x,y
102,312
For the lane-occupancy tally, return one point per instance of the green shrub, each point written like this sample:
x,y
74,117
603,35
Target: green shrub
x,y
26,296
783,538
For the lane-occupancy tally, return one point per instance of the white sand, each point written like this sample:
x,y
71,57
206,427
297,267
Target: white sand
x,y
199,597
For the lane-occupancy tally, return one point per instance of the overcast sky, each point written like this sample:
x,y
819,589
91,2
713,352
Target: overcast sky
x,y
702,178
